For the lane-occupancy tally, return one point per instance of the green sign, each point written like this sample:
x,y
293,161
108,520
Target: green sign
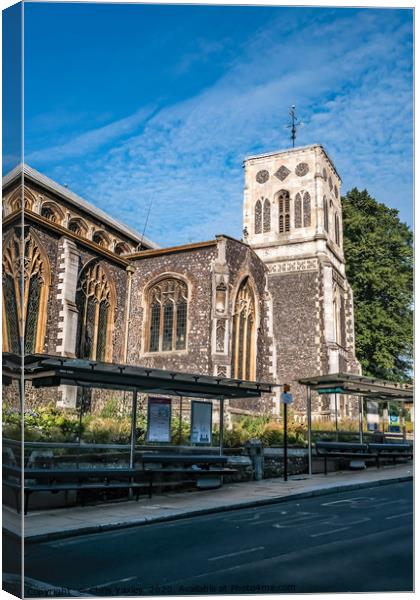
x,y
336,390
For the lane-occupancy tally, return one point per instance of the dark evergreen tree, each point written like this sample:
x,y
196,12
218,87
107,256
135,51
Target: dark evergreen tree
x,y
379,264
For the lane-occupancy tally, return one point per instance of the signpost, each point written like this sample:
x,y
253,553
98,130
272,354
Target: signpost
x,y
286,399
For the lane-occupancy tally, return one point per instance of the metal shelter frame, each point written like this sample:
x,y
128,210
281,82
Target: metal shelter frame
x,y
44,370
377,390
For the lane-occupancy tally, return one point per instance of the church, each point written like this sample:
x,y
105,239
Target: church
x,y
275,306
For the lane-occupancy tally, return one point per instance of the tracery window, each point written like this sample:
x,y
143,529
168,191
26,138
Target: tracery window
x,y
326,216
306,209
77,226
100,238
284,211
15,200
168,305
26,280
243,333
337,229
122,248
258,217
267,216
95,301
298,211
50,212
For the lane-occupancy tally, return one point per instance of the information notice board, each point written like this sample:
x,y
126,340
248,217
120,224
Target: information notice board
x,y
201,422
159,420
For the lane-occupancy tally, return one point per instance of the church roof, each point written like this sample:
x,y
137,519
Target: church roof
x,y
297,149
77,201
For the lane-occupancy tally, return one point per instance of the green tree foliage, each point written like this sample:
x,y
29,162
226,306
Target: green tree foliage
x,y
379,263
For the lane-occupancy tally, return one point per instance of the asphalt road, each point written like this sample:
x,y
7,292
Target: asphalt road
x,y
357,541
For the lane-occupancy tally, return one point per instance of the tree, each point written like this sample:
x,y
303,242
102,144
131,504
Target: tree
x,y
379,262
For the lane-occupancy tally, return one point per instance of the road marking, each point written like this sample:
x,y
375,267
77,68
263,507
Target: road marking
x,y
236,553
348,501
400,515
314,535
108,583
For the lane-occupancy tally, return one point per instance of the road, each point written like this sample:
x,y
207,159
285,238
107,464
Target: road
x,y
356,541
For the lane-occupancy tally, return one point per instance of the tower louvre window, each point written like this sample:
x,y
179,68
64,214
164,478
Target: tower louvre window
x,y
267,216
326,216
298,211
284,211
168,307
306,209
258,217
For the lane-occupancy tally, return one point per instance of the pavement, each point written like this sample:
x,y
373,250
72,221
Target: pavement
x,y
56,523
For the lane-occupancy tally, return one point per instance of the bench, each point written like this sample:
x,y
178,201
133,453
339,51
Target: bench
x,y
81,480
203,470
347,450
354,451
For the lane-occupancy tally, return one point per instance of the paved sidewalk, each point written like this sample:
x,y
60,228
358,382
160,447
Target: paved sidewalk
x,y
63,522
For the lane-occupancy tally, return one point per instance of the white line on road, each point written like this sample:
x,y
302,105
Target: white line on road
x,y
400,515
328,532
237,553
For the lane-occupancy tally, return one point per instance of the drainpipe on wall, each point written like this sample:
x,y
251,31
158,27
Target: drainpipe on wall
x,y
130,270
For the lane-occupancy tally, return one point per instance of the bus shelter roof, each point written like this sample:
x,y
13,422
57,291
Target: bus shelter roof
x,y
46,371
357,385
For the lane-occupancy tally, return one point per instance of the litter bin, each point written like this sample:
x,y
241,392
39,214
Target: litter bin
x,y
254,448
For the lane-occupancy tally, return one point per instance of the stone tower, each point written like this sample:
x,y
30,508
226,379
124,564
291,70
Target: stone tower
x,y
293,221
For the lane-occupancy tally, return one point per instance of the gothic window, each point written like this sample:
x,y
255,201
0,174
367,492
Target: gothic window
x,y
15,200
26,280
267,216
100,238
122,248
326,216
243,333
306,209
337,229
298,211
339,317
168,303
284,211
258,217
51,212
95,301
77,226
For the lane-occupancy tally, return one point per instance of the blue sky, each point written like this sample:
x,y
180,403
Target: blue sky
x,y
133,104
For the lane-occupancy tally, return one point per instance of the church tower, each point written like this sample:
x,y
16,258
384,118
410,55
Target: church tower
x,y
293,221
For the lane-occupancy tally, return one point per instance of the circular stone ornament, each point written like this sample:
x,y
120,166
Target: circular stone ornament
x,y
301,169
262,176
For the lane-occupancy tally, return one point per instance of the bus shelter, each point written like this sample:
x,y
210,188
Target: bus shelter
x,y
376,390
47,371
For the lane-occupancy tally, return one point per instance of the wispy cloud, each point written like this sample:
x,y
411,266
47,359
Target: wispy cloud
x,y
351,79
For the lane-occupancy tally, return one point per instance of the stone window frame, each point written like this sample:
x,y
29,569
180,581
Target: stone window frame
x,y
339,317
326,214
337,237
102,288
246,279
35,264
100,237
266,214
147,311
14,202
123,246
285,215
258,217
55,209
83,226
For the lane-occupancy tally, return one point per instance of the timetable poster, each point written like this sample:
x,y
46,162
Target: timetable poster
x,y
159,420
201,421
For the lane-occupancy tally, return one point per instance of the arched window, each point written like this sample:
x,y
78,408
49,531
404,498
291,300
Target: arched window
x,y
168,304
339,317
243,333
121,248
306,209
284,211
51,212
298,211
326,216
100,238
95,301
337,229
267,216
77,226
258,217
26,281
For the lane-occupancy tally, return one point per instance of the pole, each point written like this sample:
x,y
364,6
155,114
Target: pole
x,y
133,430
309,419
361,419
221,425
285,439
180,421
336,418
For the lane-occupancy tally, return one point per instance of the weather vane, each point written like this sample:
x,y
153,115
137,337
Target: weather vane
x,y
294,125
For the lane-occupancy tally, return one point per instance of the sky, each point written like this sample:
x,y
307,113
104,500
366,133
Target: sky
x,y
152,109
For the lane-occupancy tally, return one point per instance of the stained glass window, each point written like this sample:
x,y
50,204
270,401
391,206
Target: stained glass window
x,y
95,301
243,333
258,217
26,275
284,211
168,307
